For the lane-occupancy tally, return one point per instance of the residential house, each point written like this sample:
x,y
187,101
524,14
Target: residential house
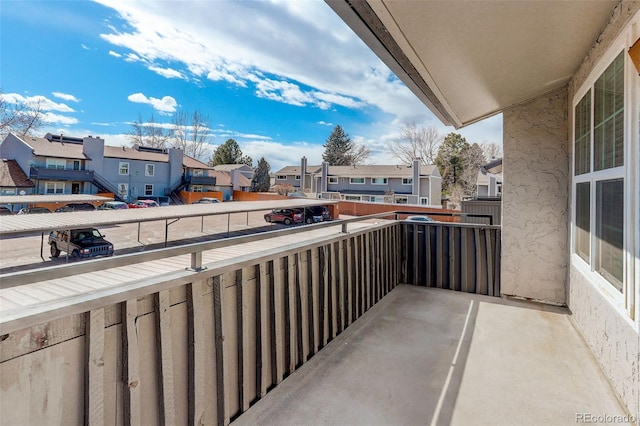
x,y
417,184
247,171
293,175
489,182
565,76
69,165
13,181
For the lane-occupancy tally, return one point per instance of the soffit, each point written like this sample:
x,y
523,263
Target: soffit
x,y
479,57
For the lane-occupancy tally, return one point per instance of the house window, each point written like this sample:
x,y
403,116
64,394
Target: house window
x,y
297,177
333,179
281,177
402,200
196,188
603,144
54,187
357,180
352,197
123,169
149,169
123,190
198,172
56,163
379,181
424,201
76,164
148,189
407,181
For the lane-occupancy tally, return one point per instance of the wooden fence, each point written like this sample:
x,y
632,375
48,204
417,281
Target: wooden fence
x,y
453,256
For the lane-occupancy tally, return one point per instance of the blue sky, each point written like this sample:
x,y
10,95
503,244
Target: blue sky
x,y
276,76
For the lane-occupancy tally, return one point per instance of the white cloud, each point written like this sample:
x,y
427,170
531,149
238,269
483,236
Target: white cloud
x,y
280,155
324,123
166,105
65,96
167,72
50,117
43,102
116,54
84,46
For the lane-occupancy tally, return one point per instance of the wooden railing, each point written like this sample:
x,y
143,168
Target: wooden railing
x,y
200,346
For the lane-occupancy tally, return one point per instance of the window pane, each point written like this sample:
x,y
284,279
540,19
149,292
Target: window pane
x,y
609,230
609,116
583,135
583,220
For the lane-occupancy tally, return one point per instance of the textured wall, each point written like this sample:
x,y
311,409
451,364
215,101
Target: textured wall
x,y
611,337
534,216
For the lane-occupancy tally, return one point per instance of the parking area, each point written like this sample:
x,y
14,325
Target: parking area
x,y
23,251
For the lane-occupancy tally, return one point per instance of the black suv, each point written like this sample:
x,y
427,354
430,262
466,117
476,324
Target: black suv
x,y
88,242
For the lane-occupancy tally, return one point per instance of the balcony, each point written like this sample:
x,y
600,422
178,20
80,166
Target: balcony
x,y
202,180
338,323
61,174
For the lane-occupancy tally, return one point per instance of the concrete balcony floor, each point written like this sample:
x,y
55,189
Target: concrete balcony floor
x,y
427,356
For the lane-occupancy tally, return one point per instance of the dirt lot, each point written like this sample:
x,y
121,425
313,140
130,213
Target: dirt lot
x,y
21,253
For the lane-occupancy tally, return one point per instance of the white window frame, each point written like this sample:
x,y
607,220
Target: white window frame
x,y
148,189
297,177
56,163
424,201
281,177
57,187
385,181
351,182
407,181
625,302
333,179
149,169
196,188
123,168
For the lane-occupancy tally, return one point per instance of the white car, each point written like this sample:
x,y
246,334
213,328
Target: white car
x,y
419,219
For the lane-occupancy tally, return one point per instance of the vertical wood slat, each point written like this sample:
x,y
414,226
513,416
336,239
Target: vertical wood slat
x,y
238,281
331,279
94,374
279,319
221,400
351,268
311,305
271,291
344,295
244,344
302,323
321,297
196,362
497,255
130,360
453,275
262,352
287,311
489,258
165,358
295,312
439,258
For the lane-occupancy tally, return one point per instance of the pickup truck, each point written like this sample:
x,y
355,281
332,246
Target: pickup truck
x,y
84,243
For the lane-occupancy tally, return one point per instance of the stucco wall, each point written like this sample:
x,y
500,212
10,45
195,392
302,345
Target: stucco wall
x,y
611,337
534,216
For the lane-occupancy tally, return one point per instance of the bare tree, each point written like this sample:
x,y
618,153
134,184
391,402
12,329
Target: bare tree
x,y
190,133
417,142
359,154
149,133
20,118
491,150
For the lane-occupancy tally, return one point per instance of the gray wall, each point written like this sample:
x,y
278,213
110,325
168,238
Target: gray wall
x,y
136,178
534,218
12,148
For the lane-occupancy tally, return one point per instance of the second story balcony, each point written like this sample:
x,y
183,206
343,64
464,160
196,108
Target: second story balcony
x,y
44,173
201,180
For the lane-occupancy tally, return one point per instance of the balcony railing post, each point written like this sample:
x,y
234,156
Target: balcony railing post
x,y
196,262
344,228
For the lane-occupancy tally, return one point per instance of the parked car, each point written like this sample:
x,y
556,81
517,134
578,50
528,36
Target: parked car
x,y
34,210
76,207
287,216
143,204
207,200
312,215
84,243
113,205
419,219
5,211
321,211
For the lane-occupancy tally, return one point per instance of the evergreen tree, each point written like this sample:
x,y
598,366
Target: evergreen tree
x,y
450,160
338,148
261,181
230,153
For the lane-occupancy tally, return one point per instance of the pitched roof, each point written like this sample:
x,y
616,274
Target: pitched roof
x,y
295,170
483,178
46,148
382,171
192,163
229,167
11,175
130,153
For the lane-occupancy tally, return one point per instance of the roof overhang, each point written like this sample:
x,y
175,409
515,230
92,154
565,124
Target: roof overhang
x,y
468,60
